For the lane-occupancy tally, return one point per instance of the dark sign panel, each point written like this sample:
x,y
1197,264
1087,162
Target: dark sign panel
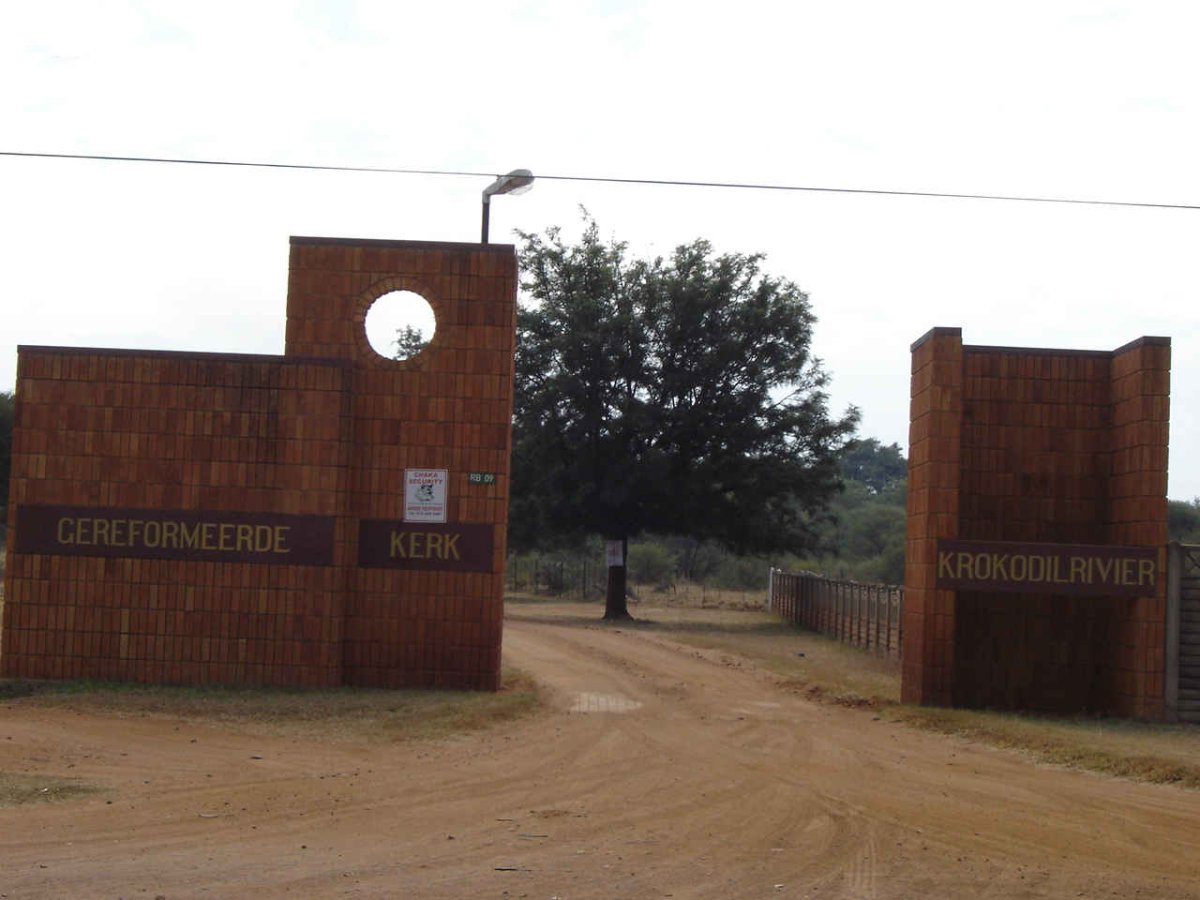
x,y
1079,569
208,536
465,547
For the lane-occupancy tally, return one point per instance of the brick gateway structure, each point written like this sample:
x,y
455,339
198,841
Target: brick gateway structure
x,y
1037,527
325,517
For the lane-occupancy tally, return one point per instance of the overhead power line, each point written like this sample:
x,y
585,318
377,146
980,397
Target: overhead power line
x,y
667,182
246,165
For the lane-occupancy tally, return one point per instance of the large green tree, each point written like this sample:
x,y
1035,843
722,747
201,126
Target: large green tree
x,y
672,395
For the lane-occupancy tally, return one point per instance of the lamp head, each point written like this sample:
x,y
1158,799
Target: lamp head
x,y
518,181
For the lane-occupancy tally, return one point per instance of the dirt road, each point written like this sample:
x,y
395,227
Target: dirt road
x,y
660,771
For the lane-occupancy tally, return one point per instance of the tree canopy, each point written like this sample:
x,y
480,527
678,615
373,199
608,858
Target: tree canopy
x,y
1183,520
673,395
878,466
410,340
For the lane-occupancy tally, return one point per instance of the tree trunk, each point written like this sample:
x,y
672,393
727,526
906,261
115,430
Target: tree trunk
x,y
614,597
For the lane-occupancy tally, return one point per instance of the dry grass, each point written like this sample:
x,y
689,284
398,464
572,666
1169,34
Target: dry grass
x,y
1161,754
339,714
828,671
16,790
697,595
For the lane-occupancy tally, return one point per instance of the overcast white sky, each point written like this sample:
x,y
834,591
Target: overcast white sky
x,y
1067,99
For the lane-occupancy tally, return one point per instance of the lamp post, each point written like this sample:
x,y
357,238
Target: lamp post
x,y
518,181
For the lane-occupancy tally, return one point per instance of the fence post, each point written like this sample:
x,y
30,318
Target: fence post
x,y
876,592
854,597
888,648
830,609
856,616
852,601
864,617
873,618
860,630
771,589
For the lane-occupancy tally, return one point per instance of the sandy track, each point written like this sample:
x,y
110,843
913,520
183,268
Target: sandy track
x,y
659,771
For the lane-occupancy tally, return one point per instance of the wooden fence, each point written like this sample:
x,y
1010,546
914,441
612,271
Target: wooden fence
x,y
862,615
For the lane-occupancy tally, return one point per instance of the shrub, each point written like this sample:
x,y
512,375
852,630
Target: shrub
x,y
651,563
742,573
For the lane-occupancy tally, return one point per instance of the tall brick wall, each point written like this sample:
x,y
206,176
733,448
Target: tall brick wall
x,y
1036,446
323,433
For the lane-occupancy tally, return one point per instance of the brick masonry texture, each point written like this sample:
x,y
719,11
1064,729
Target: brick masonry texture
x,y
1053,446
326,430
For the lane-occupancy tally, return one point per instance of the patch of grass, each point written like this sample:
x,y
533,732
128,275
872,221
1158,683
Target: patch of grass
x,y
16,790
346,714
1142,751
530,597
703,596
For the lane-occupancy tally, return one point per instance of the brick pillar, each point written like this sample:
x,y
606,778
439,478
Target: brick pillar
x,y
449,407
933,482
1137,515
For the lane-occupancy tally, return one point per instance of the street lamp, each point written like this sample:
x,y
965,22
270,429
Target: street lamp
x,y
518,181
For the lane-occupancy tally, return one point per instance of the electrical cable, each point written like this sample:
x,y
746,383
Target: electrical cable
x,y
736,185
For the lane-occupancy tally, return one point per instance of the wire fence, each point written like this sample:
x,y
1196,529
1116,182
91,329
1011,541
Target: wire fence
x,y
570,576
869,616
584,576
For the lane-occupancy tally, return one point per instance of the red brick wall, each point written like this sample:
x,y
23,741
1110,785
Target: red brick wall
x,y
325,431
1045,446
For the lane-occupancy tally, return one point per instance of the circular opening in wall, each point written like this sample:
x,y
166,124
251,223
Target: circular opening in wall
x,y
400,324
